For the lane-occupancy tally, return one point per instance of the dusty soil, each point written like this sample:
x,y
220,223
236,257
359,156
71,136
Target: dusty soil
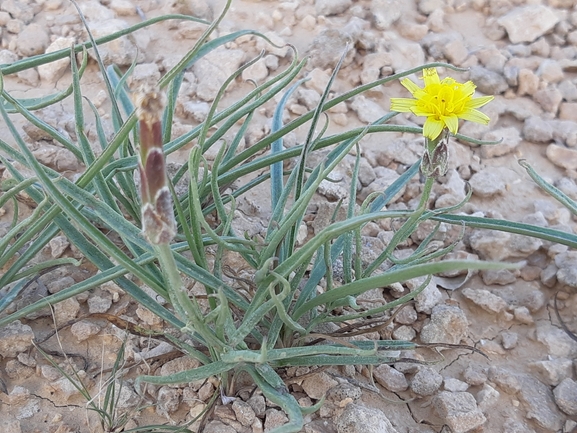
x,y
526,383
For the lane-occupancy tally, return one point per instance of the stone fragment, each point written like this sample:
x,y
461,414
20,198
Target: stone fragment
x,y
485,299
258,404
475,375
566,396
244,413
390,378
386,12
99,304
147,316
66,310
491,245
411,30
10,426
122,51
568,111
451,191
492,58
406,316
214,69
523,315
20,10
524,246
487,398
458,410
195,110
127,397
527,23
457,53
528,82
448,324
562,156
7,57
18,395
568,89
332,7
455,385
538,401
509,340
549,99
487,183
327,48
498,276
63,388
206,391
257,72
487,81
510,141
58,245
51,72
537,130
55,286
505,379
144,74
57,158
218,427
14,26
398,150
125,7
564,131
366,109
29,409
552,371
84,329
95,11
557,342
405,333
317,385
372,65
32,40
16,370
360,419
274,418
550,71
344,392
406,55
317,80
178,365
426,381
384,178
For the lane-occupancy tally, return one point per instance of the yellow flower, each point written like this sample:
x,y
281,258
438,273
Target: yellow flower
x,y
443,103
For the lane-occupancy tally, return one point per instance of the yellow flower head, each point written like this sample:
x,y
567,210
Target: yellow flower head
x,y
443,103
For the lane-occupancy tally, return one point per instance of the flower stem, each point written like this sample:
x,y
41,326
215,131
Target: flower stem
x,y
186,308
406,229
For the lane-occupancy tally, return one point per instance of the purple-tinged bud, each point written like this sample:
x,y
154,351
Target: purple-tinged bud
x,y
158,223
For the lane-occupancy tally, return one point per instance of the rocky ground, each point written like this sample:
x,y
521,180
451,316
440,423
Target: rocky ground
x,y
522,51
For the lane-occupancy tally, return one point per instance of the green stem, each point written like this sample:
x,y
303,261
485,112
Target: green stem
x,y
187,309
407,228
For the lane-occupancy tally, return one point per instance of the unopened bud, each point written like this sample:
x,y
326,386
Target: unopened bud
x,y
158,223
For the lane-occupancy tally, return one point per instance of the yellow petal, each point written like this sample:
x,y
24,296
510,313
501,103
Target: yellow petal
x,y
430,76
403,105
475,116
468,88
410,86
432,128
421,110
452,123
479,102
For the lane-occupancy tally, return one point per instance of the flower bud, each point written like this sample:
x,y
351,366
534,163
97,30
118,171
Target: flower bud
x,y
158,223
